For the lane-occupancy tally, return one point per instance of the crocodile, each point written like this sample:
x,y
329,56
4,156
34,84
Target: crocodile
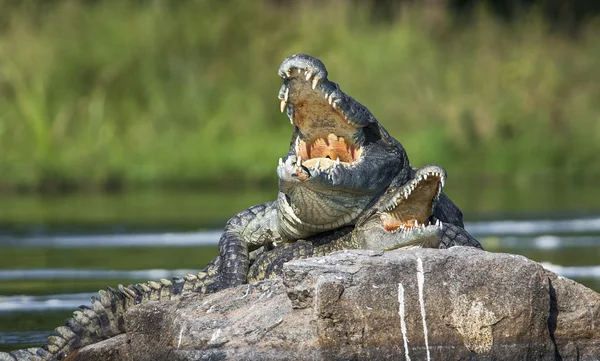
x,y
341,168
403,217
341,160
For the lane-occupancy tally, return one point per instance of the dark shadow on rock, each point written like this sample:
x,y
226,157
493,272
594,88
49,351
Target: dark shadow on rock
x,y
552,319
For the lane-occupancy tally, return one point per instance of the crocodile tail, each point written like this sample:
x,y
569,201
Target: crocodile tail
x,y
106,316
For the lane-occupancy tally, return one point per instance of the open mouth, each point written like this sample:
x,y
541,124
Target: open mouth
x,y
324,152
410,207
327,134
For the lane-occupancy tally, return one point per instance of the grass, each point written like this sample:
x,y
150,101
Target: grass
x,y
167,94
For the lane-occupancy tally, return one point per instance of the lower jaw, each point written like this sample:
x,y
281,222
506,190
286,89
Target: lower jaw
x,y
295,225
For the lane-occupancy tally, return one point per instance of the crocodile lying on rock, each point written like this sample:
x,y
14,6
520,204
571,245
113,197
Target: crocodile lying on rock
x,y
343,169
340,161
402,218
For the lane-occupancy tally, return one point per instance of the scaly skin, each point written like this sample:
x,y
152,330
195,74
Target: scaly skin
x,y
390,224
317,194
106,316
402,218
340,161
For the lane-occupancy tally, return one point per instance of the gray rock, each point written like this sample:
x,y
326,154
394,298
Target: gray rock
x,y
454,304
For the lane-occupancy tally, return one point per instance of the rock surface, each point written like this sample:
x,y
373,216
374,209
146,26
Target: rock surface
x,y
420,304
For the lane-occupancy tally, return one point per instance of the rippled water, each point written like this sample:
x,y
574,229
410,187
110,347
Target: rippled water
x,y
49,268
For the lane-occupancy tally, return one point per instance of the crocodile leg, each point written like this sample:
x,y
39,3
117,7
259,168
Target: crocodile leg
x,y
248,230
403,217
457,236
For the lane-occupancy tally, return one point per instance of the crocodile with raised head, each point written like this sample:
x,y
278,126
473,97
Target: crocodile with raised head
x,y
340,161
403,217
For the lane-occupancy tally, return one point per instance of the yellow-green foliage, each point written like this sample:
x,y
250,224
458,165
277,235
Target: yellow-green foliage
x,y
178,92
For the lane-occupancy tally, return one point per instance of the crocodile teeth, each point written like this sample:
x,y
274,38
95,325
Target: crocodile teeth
x,y
337,161
330,99
315,81
297,148
282,105
424,176
299,162
308,75
416,223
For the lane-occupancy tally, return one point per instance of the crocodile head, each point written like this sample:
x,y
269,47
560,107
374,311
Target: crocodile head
x,y
328,130
403,216
340,159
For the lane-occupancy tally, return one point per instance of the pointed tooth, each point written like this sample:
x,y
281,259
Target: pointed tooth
x,y
330,98
315,81
308,75
288,73
286,94
416,223
282,105
424,176
337,161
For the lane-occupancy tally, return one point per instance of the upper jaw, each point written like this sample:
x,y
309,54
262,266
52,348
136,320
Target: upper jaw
x,y
327,122
305,78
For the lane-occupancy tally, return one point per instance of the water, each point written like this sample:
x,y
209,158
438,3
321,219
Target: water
x,y
57,251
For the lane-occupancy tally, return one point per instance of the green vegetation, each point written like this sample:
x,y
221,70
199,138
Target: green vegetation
x,y
157,93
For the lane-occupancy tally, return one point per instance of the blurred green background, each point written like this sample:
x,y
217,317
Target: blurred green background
x,y
140,118
105,95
